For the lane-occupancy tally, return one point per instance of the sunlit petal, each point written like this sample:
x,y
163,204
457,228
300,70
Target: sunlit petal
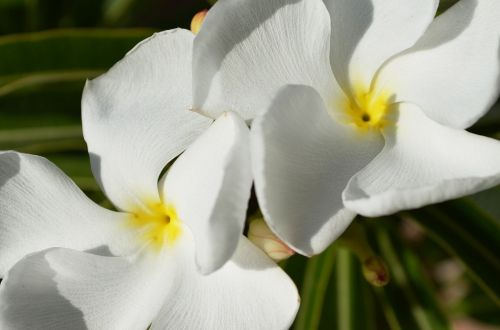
x,y
209,185
422,163
248,49
136,118
453,72
302,160
40,207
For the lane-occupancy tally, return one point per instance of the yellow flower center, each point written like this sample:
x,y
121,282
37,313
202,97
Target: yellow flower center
x,y
159,225
368,110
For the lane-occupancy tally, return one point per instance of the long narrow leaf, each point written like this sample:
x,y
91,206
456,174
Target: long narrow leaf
x,y
317,275
471,235
353,305
33,58
410,302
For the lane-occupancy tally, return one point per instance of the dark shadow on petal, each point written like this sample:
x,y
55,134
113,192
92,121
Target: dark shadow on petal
x,y
235,36
439,32
102,251
10,164
345,48
30,298
95,164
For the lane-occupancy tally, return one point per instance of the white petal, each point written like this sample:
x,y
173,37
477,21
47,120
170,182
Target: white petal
x,y
365,33
209,186
302,160
64,289
67,289
40,207
248,49
453,72
422,163
250,292
136,118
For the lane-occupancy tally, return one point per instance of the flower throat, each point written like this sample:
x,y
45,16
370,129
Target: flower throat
x,y
159,225
367,110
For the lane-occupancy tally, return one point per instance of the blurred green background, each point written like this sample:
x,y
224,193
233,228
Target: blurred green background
x,y
443,260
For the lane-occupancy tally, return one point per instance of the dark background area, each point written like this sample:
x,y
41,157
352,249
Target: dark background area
x,y
32,15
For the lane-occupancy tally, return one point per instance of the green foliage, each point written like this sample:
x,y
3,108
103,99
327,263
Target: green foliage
x,y
466,231
410,302
318,272
41,80
61,55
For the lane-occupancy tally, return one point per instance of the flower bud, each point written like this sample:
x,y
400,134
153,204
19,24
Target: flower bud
x,y
197,21
375,271
260,235
374,268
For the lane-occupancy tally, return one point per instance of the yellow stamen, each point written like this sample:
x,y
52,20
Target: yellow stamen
x,y
158,224
366,109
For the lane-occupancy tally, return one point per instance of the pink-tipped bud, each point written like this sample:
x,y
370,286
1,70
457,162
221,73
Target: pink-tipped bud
x,y
197,21
375,271
260,235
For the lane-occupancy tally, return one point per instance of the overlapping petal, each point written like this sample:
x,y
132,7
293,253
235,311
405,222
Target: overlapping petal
x,y
453,72
136,118
40,207
365,33
248,49
250,293
422,163
209,186
67,289
302,160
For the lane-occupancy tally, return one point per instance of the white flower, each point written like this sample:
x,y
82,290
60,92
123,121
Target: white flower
x,y
374,122
88,267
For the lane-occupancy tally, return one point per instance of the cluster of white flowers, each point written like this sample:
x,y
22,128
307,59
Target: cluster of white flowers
x,y
354,106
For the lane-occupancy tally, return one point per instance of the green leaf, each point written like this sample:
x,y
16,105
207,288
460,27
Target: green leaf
x,y
41,80
317,275
470,234
352,307
49,105
61,55
409,300
14,138
11,84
